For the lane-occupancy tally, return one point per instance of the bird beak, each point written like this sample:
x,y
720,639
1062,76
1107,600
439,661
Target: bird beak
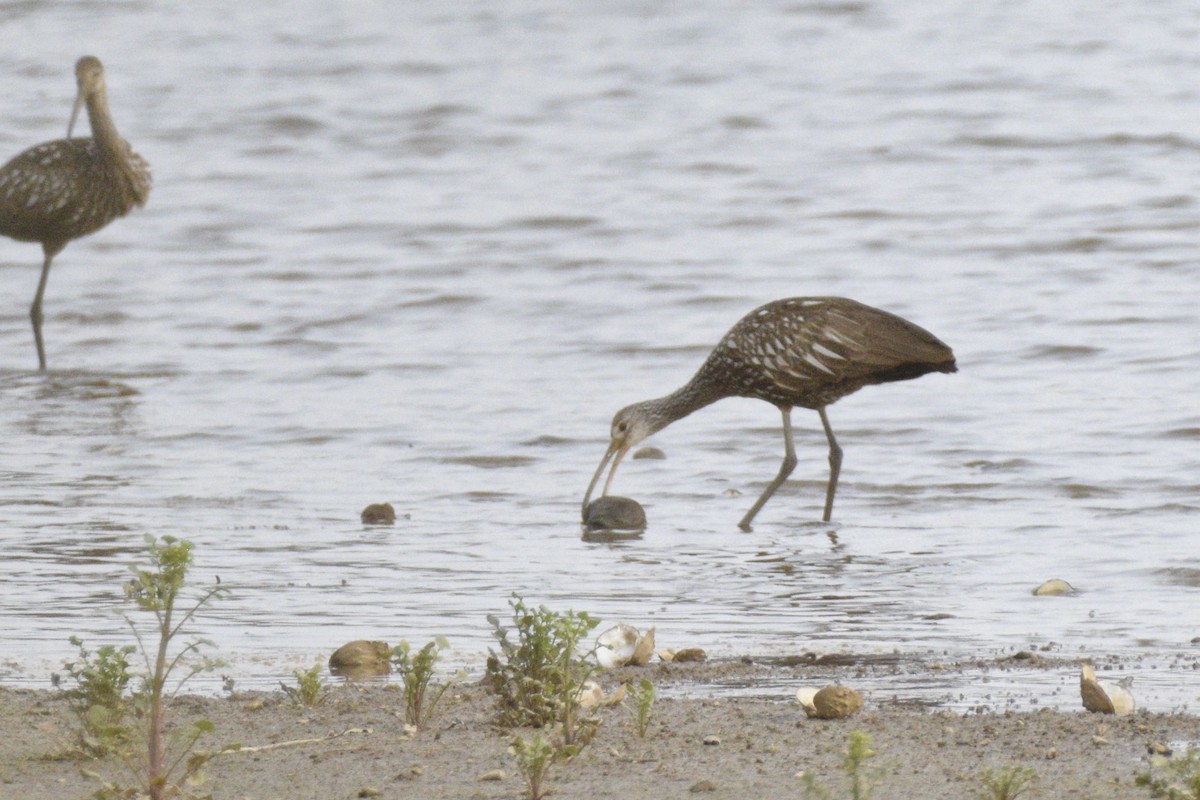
x,y
75,112
618,448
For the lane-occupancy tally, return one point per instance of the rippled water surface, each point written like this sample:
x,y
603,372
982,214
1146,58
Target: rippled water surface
x,y
420,253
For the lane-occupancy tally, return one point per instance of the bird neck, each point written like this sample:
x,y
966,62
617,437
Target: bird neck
x,y
108,141
692,396
103,129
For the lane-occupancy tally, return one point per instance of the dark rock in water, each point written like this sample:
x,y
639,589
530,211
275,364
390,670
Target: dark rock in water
x,y
615,513
361,659
379,514
649,452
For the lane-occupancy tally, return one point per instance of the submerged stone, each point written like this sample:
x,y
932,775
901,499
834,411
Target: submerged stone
x,y
378,514
615,513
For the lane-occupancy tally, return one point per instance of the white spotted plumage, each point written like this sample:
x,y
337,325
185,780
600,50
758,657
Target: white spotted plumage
x,y
805,351
67,188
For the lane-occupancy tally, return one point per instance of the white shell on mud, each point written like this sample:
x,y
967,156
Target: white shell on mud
x,y
805,695
622,644
591,695
1103,697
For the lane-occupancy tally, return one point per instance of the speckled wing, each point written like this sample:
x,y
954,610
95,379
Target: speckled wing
x,y
811,351
61,190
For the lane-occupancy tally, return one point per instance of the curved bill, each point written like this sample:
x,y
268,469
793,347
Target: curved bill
x,y
74,113
619,449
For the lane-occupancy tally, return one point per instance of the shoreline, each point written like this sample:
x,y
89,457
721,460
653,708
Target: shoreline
x,y
756,745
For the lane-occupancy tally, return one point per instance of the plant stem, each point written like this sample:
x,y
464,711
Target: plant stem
x,y
155,739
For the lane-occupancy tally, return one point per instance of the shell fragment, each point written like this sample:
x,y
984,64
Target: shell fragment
x,y
1103,697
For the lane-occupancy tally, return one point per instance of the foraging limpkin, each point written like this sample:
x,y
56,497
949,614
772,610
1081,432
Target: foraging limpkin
x,y
60,190
803,351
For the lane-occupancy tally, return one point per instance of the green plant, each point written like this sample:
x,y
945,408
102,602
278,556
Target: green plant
x,y
1008,783
1176,779
98,698
536,679
169,760
309,690
858,752
643,702
417,671
534,760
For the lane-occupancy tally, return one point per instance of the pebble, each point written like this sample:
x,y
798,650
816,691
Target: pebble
x,y
493,775
712,740
703,786
369,791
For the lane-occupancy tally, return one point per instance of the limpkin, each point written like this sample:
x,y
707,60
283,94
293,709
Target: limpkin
x,y
802,351
61,190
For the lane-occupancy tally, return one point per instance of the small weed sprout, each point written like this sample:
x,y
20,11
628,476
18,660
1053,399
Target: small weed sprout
x,y
310,690
534,760
1173,778
643,702
420,699
858,752
98,698
1006,784
169,760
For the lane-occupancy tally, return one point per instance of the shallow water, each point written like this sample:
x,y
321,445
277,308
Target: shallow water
x,y
423,255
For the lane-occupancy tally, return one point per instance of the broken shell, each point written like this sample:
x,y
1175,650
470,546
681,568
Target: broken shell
x,y
1103,697
1055,587
622,644
643,649
835,702
666,656
591,695
616,645
805,695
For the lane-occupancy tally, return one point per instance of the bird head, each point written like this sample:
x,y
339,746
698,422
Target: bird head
x,y
631,425
89,77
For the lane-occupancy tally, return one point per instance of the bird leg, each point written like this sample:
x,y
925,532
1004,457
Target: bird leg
x,y
835,465
785,469
35,311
